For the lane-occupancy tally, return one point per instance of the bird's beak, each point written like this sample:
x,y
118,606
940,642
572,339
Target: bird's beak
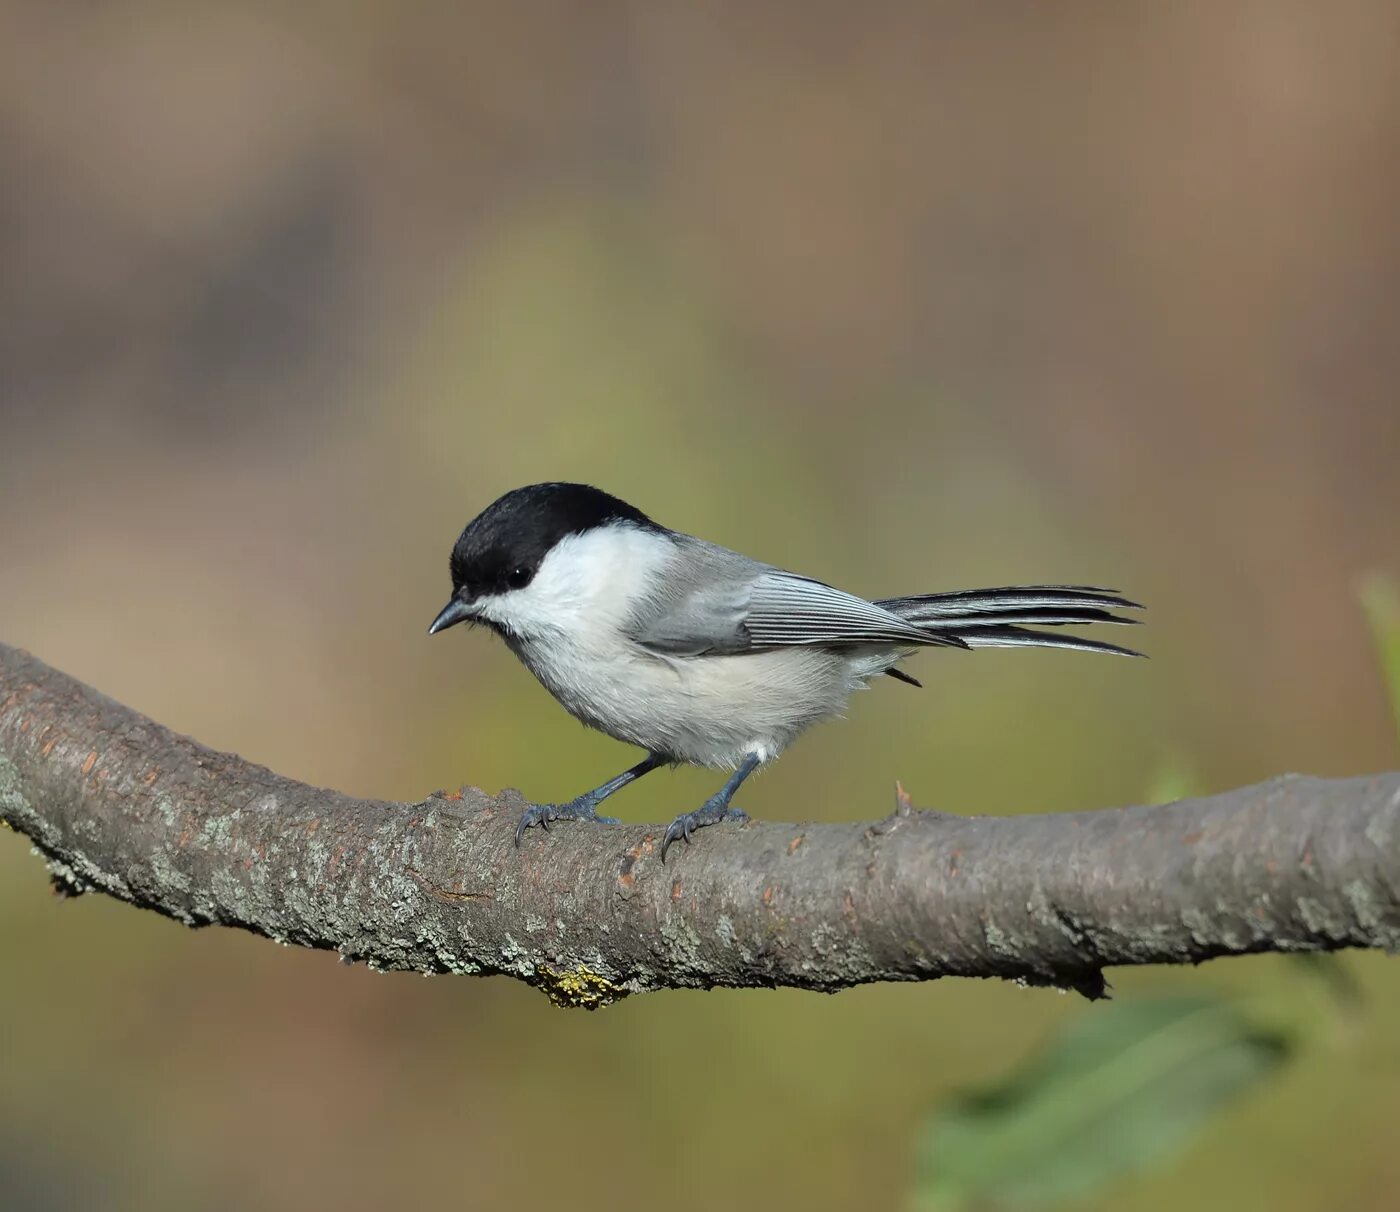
x,y
456,611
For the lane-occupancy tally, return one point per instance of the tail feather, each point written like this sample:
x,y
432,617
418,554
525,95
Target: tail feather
x,y
994,618
1017,637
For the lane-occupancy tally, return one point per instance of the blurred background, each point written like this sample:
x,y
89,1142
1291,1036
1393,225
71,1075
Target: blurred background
x,y
907,297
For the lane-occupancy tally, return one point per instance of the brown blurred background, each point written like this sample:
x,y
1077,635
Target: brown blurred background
x,y
908,297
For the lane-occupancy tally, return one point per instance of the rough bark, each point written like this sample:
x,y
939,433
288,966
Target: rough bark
x,y
117,803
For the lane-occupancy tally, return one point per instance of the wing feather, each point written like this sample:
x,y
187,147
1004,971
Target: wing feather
x,y
787,609
767,608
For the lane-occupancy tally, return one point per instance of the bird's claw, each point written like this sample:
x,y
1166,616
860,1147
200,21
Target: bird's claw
x,y
574,810
688,822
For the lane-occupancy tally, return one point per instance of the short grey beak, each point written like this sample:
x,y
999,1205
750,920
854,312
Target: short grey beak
x,y
456,611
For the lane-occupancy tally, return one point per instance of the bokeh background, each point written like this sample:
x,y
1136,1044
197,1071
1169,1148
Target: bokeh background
x,y
907,297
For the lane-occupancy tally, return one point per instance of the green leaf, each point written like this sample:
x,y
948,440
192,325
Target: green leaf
x,y
1380,599
1124,1086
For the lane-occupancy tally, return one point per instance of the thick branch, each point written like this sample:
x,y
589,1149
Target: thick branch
x,y
118,803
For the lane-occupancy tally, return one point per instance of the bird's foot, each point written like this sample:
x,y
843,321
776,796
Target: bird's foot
x,y
581,809
711,812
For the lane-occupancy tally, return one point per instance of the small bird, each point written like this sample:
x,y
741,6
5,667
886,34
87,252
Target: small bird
x,y
700,654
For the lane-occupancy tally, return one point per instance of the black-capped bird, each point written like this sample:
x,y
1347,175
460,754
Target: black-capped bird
x,y
700,654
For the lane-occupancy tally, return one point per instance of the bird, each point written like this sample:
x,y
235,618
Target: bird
x,y
701,655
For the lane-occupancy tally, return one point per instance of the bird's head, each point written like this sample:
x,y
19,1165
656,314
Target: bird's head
x,y
540,554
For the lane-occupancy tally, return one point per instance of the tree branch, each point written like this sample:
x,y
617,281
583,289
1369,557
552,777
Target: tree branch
x,y
118,803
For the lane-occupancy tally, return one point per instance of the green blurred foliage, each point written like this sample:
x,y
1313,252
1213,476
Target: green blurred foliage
x,y
905,298
1119,1089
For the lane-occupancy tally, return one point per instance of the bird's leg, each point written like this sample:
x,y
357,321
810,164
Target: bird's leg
x,y
715,809
585,806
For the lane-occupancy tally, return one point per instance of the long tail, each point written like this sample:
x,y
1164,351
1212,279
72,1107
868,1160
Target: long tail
x,y
1004,618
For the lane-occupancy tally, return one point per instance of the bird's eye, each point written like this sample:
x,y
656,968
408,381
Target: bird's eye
x,y
519,577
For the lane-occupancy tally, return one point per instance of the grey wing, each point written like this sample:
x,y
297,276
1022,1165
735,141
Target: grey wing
x,y
738,605
786,609
707,619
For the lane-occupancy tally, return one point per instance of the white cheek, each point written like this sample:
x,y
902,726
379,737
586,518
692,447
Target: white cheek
x,y
547,603
586,584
